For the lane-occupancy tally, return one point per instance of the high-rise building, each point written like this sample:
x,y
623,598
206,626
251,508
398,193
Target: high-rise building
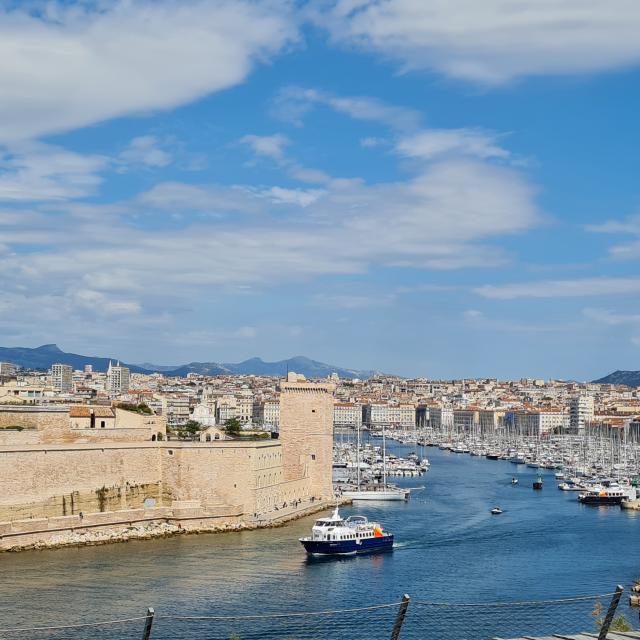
x,y
117,379
7,369
581,411
62,377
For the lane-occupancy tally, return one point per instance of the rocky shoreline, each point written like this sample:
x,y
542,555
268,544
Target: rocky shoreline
x,y
153,530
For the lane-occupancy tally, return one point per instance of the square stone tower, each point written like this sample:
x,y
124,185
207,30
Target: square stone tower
x,y
306,433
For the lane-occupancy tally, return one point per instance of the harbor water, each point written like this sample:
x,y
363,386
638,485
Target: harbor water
x,y
448,548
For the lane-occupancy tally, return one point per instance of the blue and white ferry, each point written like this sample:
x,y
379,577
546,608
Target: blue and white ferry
x,y
335,536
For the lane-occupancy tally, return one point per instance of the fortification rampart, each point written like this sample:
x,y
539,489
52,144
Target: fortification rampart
x,y
51,472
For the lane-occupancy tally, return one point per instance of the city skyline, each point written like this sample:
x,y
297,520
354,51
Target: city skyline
x,y
417,189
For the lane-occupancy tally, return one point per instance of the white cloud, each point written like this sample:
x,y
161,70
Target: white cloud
x,y
273,147
351,301
472,315
629,227
300,197
371,141
99,303
37,171
147,151
561,288
292,103
492,41
72,66
611,318
269,146
177,197
443,218
432,143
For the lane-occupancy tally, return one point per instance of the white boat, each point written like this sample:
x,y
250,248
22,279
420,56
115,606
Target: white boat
x,y
496,511
375,493
570,486
335,536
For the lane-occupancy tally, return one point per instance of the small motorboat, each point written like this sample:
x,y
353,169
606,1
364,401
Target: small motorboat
x,y
537,483
496,511
514,481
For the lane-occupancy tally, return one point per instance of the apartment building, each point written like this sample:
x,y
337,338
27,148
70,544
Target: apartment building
x,y
538,422
383,414
266,412
175,408
347,414
7,369
62,377
118,379
581,412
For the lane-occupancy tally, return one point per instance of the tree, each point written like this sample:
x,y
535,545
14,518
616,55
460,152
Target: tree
x,y
232,427
192,427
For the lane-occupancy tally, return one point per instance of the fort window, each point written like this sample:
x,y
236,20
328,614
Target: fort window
x,y
103,424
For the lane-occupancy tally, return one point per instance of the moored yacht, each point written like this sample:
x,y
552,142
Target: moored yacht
x,y
377,492
335,536
607,494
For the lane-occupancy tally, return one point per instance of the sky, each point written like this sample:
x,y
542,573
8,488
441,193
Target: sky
x,y
439,188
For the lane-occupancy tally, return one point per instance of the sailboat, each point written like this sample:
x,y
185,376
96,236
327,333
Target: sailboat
x,y
376,491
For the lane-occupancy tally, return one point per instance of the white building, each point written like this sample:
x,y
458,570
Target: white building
x,y
266,412
535,423
205,414
441,418
118,378
347,414
380,414
176,409
581,411
62,377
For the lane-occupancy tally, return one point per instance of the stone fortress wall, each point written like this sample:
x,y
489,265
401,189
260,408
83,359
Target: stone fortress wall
x,y
57,478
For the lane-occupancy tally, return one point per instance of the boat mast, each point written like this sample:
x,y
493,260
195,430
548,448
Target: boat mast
x,y
358,455
384,459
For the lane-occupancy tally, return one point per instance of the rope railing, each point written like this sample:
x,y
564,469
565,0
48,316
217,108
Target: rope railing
x,y
513,603
404,619
79,625
291,614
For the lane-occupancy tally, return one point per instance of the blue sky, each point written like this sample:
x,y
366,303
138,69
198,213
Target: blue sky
x,y
416,186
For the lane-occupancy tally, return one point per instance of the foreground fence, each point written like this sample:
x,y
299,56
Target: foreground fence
x,y
409,619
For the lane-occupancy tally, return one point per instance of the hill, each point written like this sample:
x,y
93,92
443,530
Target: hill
x,y
46,355
630,378
257,366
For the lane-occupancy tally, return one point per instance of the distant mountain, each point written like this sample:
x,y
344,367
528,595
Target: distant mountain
x,y
630,378
256,366
46,355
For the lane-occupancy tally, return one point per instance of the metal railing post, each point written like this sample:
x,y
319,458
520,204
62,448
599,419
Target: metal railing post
x,y
146,634
606,623
402,612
